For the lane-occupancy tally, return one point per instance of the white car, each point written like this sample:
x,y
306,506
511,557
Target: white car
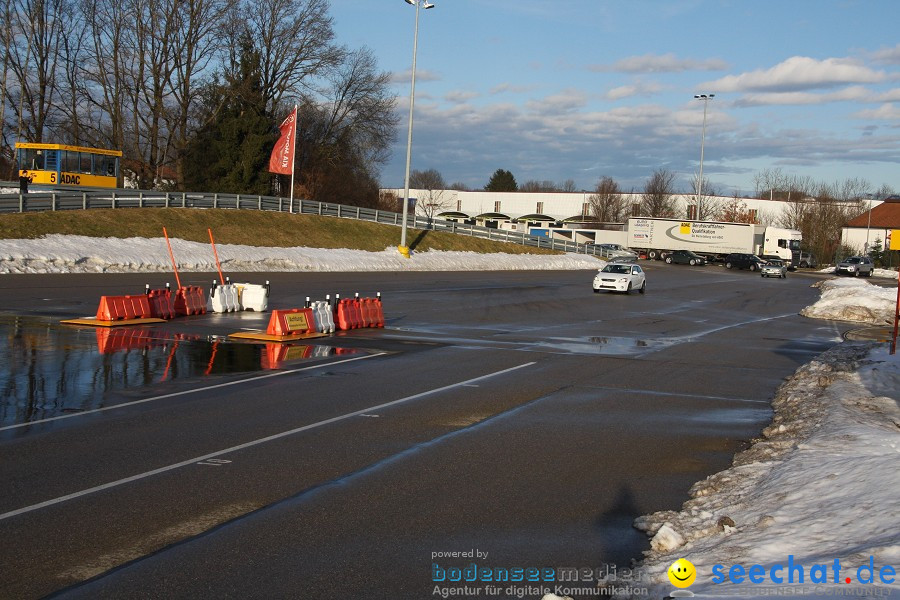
x,y
618,277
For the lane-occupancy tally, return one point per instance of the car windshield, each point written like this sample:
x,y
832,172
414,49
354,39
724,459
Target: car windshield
x,y
622,269
775,263
853,260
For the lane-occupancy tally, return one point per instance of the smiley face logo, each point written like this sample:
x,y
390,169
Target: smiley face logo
x,y
682,573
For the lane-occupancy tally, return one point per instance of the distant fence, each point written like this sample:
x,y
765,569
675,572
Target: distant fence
x,y
38,200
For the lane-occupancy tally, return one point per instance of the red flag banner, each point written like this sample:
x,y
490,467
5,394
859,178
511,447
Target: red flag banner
x,y
282,159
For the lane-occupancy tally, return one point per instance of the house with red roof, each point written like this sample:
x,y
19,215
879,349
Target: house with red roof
x,y
874,224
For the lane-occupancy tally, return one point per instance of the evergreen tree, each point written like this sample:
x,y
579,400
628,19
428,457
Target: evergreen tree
x,y
501,181
230,152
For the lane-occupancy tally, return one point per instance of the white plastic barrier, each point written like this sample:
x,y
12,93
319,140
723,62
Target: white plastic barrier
x,y
324,316
253,296
223,298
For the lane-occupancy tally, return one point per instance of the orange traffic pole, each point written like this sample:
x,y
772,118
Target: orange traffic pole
x,y
216,254
172,256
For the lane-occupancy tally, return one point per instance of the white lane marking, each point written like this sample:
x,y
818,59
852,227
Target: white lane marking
x,y
186,392
270,438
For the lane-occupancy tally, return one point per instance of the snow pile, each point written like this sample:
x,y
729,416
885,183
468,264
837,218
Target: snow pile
x,y
853,300
821,484
81,254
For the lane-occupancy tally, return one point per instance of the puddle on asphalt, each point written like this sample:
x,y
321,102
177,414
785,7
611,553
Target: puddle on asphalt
x,y
52,369
607,345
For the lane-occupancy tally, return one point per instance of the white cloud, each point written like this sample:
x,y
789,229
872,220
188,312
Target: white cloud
x,y
508,88
885,112
460,97
890,56
566,101
799,73
665,63
849,94
404,77
636,89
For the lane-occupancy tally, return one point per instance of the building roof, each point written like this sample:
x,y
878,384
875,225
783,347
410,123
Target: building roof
x,y
884,216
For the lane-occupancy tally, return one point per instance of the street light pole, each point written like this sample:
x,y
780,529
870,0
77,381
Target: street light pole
x,y
403,248
705,98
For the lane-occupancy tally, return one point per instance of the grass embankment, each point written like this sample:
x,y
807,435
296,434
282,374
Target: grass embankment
x,y
248,227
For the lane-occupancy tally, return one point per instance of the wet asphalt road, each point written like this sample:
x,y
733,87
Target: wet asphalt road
x,y
515,414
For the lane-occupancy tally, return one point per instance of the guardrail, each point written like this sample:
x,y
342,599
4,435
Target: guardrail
x,y
39,200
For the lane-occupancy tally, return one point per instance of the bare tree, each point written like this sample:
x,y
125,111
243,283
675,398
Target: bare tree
x,y
568,186
734,210
346,129
657,199
607,204
435,197
708,207
38,28
294,40
198,42
110,28
534,186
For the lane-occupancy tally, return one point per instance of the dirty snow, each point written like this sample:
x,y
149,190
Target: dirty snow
x,y
80,254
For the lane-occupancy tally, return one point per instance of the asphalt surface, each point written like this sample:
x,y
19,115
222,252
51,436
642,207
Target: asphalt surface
x,y
512,414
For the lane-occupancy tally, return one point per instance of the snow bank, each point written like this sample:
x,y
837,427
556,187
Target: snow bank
x,y
81,254
853,300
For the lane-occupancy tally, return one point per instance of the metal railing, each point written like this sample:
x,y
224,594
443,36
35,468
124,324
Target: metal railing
x,y
87,199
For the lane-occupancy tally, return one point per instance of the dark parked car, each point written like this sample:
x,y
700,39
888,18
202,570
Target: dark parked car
x,y
807,261
856,265
738,260
685,257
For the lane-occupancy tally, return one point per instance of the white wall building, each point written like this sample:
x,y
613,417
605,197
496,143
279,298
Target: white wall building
x,y
524,211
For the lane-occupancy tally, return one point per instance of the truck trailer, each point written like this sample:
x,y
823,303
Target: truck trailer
x,y
713,239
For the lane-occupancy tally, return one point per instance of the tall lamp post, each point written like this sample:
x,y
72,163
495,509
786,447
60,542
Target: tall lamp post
x,y
705,98
403,248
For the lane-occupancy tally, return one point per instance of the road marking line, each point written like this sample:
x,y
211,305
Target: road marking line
x,y
186,392
270,438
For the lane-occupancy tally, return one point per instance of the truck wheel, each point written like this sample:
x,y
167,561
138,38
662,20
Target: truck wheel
x,y
653,255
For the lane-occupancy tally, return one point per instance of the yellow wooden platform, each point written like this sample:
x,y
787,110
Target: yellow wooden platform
x,y
262,336
98,323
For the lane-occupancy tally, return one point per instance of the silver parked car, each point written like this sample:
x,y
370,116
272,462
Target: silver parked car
x,y
774,268
856,266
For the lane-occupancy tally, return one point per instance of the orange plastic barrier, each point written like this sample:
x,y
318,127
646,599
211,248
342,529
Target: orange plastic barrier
x,y
116,308
345,315
379,311
161,303
276,354
190,300
287,322
127,338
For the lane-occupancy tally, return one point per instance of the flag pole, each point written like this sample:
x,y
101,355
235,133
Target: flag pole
x,y
293,159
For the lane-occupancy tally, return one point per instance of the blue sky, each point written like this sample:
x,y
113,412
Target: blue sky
x,y
578,89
